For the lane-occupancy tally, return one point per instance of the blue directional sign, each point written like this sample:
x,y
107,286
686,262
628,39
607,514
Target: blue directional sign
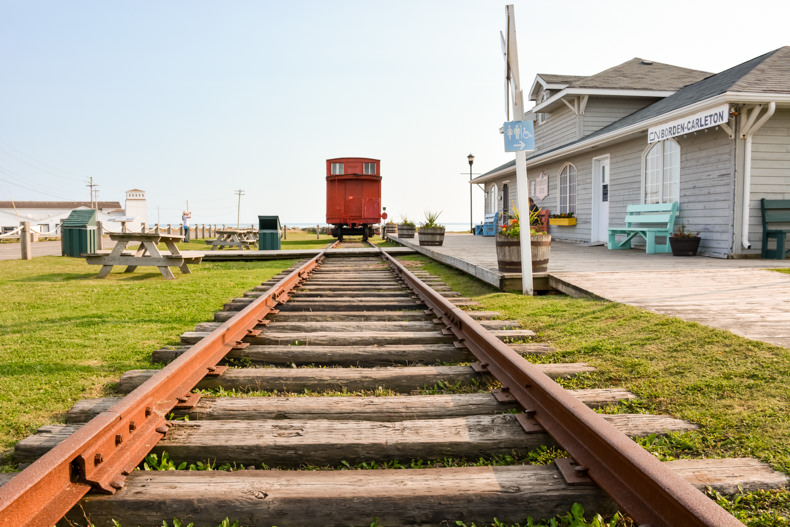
x,y
519,135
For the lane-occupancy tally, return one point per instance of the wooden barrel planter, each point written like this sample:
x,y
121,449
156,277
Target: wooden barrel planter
x,y
406,231
508,253
431,236
390,229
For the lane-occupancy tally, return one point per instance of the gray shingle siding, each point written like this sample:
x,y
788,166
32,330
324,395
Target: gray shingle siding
x,y
560,128
603,111
770,169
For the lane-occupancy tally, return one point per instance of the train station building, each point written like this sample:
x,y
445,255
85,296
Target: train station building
x,y
643,132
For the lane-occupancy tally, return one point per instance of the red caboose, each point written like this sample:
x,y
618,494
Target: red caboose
x,y
353,195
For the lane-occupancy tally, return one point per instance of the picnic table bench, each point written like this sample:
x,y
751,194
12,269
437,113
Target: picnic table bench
x,y
776,225
237,238
146,254
648,221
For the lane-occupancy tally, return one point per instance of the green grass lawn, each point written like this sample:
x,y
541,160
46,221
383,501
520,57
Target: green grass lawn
x,y
66,334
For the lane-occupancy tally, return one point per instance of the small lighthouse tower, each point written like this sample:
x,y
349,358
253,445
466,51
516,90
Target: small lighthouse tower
x,y
136,205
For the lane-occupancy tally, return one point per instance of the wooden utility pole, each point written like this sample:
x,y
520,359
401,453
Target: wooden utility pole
x,y
240,193
93,201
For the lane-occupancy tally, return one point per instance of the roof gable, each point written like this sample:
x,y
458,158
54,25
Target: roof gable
x,y
746,74
640,74
770,75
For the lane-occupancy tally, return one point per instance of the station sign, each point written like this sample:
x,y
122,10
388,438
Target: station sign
x,y
519,136
691,123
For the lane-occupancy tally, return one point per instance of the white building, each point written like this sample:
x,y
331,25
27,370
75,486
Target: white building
x,y
45,216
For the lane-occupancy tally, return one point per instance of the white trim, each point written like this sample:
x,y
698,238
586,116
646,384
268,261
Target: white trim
x,y
559,186
660,94
596,196
544,86
642,172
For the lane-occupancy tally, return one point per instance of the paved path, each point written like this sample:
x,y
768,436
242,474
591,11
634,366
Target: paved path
x,y
752,303
737,295
13,251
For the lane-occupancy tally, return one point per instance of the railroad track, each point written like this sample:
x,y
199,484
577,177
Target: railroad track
x,y
368,328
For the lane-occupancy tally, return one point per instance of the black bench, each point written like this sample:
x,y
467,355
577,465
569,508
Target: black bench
x,y
776,225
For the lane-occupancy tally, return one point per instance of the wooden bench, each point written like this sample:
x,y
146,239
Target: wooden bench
x,y
489,226
776,225
649,222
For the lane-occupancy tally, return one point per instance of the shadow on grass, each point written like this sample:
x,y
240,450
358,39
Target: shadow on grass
x,y
135,276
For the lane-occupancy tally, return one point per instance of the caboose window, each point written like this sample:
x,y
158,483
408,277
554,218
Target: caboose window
x,y
337,169
369,169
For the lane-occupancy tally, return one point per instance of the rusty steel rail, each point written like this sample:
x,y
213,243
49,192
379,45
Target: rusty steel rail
x,y
647,490
102,453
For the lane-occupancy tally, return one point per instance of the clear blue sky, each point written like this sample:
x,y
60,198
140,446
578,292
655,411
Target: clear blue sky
x,y
193,99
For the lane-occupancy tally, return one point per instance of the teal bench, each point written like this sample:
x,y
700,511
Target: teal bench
x,y
649,222
775,212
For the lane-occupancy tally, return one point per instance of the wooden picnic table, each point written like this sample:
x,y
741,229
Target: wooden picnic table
x,y
237,238
146,254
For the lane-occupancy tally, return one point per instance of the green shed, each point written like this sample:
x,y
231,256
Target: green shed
x,y
269,233
79,233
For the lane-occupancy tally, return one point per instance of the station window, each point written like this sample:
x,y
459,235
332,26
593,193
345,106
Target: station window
x,y
568,189
661,170
369,169
543,117
337,169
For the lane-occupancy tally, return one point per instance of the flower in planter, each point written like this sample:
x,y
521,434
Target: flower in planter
x,y
512,228
563,215
683,233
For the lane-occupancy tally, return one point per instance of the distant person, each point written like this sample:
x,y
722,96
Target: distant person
x,y
534,209
185,220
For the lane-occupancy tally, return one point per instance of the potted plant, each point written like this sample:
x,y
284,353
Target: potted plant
x,y
683,242
389,229
406,228
508,246
430,232
565,219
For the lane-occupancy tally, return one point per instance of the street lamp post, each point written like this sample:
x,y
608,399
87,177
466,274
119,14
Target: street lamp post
x,y
471,159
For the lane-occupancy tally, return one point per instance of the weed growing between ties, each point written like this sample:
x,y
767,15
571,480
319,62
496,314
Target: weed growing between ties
x,y
68,335
544,455
734,388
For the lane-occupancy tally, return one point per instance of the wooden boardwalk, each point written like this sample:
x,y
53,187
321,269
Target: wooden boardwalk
x,y
738,295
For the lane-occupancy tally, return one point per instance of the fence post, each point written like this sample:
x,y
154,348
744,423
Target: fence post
x,y
123,226
169,228
156,229
62,241
317,233
142,227
99,236
24,241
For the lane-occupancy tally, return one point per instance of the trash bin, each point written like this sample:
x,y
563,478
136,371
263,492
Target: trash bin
x,y
79,233
269,233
